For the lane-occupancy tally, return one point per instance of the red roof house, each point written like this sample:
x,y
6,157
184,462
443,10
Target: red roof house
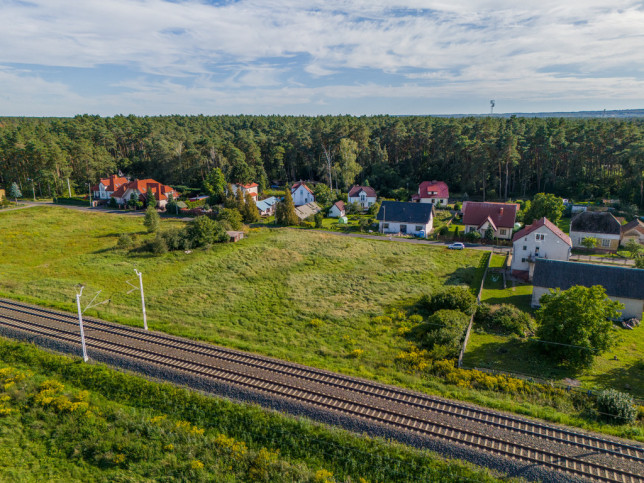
x,y
140,188
500,217
107,186
435,192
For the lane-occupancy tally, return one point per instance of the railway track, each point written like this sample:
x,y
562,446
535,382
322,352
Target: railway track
x,y
573,452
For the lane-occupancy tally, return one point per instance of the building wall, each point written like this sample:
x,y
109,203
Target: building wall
x,y
551,247
629,236
632,307
334,212
436,201
301,196
501,233
612,241
364,203
410,228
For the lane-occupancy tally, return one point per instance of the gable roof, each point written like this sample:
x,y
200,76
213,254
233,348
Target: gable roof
x,y
249,186
488,220
526,230
618,281
503,215
304,211
368,190
111,184
636,224
340,205
439,187
399,211
595,222
159,190
298,184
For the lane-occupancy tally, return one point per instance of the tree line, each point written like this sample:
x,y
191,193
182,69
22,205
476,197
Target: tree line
x,y
484,157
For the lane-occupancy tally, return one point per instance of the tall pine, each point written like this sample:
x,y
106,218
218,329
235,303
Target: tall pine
x,y
250,213
285,210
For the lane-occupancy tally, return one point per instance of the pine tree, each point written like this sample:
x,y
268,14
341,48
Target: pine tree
x,y
152,219
150,198
250,213
239,199
285,211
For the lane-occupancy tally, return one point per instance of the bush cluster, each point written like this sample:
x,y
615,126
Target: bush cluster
x,y
504,318
616,407
442,333
450,298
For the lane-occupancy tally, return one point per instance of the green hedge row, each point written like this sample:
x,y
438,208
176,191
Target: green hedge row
x,y
72,201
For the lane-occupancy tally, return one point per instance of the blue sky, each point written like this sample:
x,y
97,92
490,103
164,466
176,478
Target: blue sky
x,y
149,57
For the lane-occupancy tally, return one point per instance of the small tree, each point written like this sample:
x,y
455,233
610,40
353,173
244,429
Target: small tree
x,y
285,210
204,231
112,203
354,208
363,224
230,217
150,199
639,262
634,249
616,407
578,322
318,218
543,204
214,185
451,298
152,219
14,192
590,242
489,233
374,209
250,213
323,194
239,199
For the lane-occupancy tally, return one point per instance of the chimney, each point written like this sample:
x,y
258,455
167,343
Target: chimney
x,y
501,211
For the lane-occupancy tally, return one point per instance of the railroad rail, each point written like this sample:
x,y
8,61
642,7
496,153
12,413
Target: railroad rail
x,y
569,451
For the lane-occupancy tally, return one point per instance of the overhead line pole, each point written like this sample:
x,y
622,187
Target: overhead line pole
x,y
140,288
80,323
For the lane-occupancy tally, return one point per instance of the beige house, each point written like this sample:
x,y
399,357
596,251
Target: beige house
x,y
600,225
632,231
625,285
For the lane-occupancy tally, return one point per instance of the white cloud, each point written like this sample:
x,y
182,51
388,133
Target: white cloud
x,y
264,48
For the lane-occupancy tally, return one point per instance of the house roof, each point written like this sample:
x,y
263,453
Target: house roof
x,y
618,281
595,222
307,210
438,187
526,230
488,220
368,190
249,186
111,184
636,224
266,203
340,205
399,211
503,215
298,184
159,190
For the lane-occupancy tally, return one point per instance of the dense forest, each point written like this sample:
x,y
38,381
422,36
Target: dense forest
x,y
487,158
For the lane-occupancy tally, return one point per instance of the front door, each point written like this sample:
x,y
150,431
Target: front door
x,y
403,228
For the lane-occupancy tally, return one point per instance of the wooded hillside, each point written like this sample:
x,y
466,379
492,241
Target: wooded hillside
x,y
484,157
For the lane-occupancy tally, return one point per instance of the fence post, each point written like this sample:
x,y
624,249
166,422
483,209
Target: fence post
x,y
469,327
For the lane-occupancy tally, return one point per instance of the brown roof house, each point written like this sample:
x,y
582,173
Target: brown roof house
x,y
633,231
500,217
602,226
337,210
365,196
541,239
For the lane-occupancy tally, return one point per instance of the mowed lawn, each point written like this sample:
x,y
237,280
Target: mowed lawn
x,y
259,294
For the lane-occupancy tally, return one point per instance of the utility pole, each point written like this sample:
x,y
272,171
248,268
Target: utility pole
x,y
140,288
80,322
69,188
80,315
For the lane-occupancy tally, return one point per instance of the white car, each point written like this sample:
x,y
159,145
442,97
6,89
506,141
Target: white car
x,y
456,246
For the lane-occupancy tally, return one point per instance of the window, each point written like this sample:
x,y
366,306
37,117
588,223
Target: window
x,y
419,227
385,225
539,237
502,231
525,247
605,242
523,260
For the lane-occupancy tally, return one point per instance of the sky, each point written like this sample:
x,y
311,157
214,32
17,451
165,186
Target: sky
x,y
359,57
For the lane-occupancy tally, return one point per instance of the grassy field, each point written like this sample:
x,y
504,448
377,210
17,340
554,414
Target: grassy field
x,y
260,294
621,368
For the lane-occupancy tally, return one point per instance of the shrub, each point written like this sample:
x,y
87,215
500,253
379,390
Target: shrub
x,y
505,318
112,203
451,298
232,217
444,230
158,245
473,236
176,240
125,242
442,333
616,407
151,220
203,231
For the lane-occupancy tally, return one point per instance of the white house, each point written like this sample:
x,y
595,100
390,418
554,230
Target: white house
x,y
107,186
266,207
337,210
436,192
406,218
302,194
138,189
600,225
625,285
541,239
251,188
365,196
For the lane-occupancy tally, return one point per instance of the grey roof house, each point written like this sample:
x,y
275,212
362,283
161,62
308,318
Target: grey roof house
x,y
625,285
396,217
600,225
